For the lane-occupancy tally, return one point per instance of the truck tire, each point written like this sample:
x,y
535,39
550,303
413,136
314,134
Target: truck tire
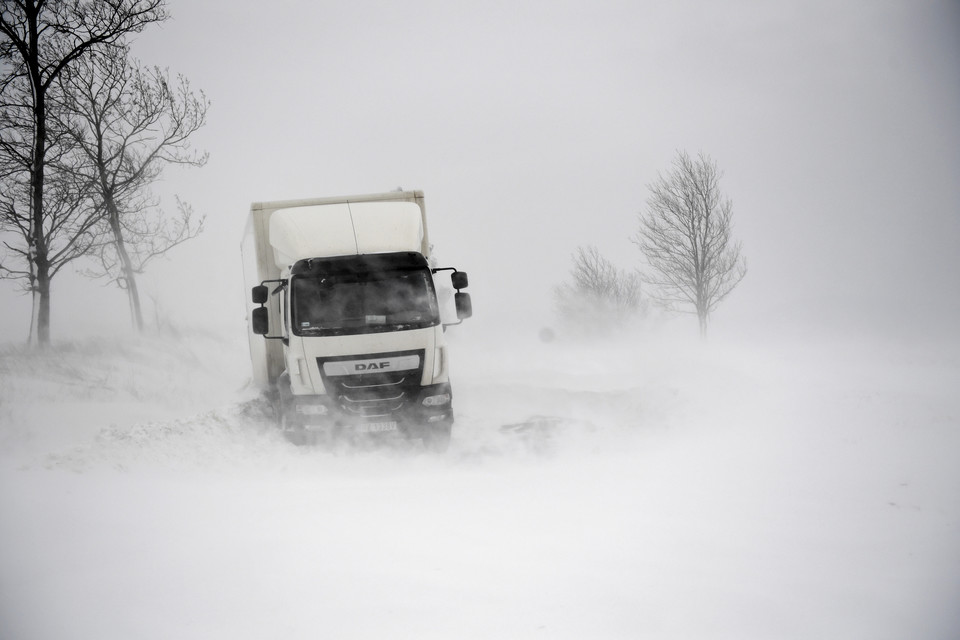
x,y
436,437
290,424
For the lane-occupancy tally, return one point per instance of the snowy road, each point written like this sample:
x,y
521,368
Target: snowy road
x,y
597,493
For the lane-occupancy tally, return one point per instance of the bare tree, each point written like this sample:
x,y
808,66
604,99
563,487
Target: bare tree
x,y
600,297
70,220
686,238
38,40
69,235
127,124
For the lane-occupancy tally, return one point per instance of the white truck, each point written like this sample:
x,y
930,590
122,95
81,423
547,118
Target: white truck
x,y
344,320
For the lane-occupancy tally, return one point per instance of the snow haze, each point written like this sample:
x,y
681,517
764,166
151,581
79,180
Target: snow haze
x,y
601,492
796,476
534,128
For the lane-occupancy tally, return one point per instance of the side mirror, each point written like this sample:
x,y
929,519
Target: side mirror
x,y
260,294
259,320
459,280
464,306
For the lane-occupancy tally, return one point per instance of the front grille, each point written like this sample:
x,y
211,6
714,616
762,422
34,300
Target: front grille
x,y
373,395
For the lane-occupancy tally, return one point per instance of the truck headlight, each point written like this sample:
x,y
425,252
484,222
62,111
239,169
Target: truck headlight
x,y
312,409
437,401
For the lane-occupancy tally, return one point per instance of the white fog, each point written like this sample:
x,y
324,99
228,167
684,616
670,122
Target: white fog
x,y
795,475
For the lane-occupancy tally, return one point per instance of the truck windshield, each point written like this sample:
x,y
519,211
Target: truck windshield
x,y
347,303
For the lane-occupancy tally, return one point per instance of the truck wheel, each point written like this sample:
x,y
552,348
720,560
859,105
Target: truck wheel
x,y
290,424
436,437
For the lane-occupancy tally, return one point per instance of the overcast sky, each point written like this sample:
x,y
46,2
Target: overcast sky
x,y
535,128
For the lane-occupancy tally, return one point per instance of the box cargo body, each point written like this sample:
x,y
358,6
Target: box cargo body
x,y
344,320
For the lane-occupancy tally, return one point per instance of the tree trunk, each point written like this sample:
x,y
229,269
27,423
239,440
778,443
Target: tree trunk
x,y
134,294
39,249
702,302
43,306
126,265
38,239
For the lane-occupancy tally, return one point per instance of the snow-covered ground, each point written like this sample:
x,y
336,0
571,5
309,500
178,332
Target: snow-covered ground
x,y
618,491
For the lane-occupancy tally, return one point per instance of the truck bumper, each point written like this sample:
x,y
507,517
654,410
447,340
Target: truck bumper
x,y
426,416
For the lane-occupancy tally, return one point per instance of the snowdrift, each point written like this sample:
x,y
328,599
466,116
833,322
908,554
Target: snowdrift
x,y
605,491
